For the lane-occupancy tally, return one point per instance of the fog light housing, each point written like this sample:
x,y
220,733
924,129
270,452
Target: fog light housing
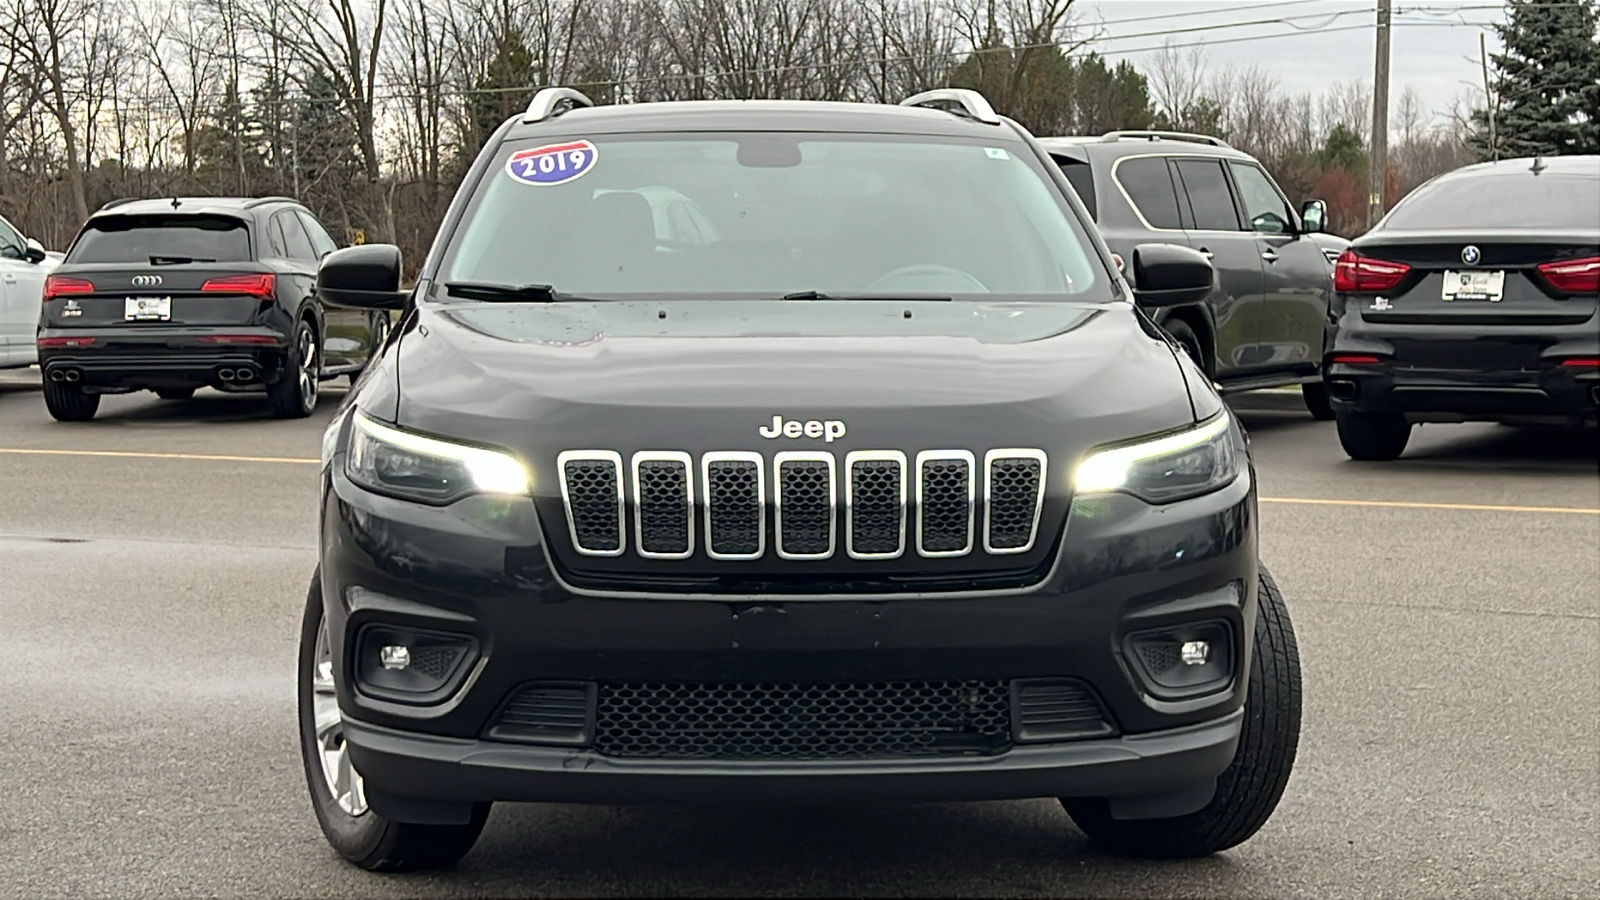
x,y
411,665
1182,661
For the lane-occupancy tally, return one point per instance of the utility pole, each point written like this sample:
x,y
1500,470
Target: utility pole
x,y
1380,119
1488,97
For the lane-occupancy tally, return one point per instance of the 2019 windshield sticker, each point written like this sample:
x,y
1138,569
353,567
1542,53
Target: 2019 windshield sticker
x,y
552,163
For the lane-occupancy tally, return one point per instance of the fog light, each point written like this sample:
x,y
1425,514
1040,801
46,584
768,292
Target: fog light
x,y
410,665
1182,660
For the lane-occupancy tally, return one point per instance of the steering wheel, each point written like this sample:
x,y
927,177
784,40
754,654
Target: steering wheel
x,y
928,278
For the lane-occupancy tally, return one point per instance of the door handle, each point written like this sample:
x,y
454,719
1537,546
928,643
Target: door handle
x,y
1270,256
1206,253
10,278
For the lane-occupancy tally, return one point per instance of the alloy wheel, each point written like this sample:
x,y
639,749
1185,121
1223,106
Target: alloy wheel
x,y
339,777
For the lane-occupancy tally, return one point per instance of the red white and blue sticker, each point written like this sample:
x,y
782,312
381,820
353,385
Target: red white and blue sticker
x,y
552,163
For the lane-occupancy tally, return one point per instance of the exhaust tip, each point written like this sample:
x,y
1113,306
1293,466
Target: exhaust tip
x,y
57,376
225,374
72,375
1342,388
1594,393
244,373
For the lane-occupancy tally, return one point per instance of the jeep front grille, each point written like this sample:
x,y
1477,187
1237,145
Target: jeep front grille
x,y
879,499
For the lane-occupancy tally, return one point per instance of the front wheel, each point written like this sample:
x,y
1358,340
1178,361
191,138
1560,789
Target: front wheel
x,y
1249,789
294,395
1376,436
338,793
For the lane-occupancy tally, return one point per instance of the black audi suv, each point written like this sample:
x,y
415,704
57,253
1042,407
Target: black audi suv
x,y
177,294
752,451
1263,324
1477,298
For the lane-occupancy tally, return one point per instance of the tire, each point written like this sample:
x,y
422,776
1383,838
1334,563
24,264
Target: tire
x,y
294,395
175,393
1185,337
358,834
68,402
1375,436
1249,789
1315,393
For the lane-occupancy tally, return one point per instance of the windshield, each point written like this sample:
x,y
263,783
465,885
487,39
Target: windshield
x,y
1519,200
136,239
765,215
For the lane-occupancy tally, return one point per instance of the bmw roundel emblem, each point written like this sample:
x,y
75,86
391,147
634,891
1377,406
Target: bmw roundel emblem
x,y
1470,255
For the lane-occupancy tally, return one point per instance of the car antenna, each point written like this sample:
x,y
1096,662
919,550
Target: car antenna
x,y
1538,165
175,202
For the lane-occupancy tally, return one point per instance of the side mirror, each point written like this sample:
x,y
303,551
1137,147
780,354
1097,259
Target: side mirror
x,y
1169,275
365,276
35,253
1314,216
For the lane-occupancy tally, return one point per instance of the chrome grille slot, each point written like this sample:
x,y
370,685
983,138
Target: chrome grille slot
x,y
803,510
663,512
591,488
1013,491
875,504
735,505
945,495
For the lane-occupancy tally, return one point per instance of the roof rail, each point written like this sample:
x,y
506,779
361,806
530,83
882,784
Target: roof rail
x,y
116,203
971,104
1167,135
552,102
254,202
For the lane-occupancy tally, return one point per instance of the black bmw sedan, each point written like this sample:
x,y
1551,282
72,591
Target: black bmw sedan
x,y
763,451
1474,299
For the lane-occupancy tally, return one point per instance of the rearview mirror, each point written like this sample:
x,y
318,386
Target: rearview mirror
x,y
35,253
1314,216
365,276
1168,275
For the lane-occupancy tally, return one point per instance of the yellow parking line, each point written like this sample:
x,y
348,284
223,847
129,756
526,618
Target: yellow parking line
x,y
1401,504
126,454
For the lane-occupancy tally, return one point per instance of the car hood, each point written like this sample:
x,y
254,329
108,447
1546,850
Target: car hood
x,y
543,378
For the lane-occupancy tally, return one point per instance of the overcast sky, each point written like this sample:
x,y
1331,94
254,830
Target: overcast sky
x,y
1310,43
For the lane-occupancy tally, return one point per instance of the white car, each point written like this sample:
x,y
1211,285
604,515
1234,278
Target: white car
x,y
23,267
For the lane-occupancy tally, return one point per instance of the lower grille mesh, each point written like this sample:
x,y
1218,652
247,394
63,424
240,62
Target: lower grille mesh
x,y
834,720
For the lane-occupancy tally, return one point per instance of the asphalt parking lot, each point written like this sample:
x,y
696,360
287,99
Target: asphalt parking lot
x,y
153,564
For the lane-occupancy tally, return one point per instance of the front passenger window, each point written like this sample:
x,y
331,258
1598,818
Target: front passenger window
x,y
1262,203
12,246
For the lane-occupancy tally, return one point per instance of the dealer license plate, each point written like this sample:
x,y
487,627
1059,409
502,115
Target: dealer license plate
x,y
1474,285
147,309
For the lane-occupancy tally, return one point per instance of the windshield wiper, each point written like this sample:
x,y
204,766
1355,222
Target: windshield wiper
x,y
177,260
505,293
901,298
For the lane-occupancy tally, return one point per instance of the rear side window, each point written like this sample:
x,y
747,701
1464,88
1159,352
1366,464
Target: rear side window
x,y
1081,177
152,240
320,240
294,236
1148,184
1209,196
1519,200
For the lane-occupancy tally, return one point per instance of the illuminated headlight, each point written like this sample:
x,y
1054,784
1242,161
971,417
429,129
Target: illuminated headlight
x,y
425,469
1165,469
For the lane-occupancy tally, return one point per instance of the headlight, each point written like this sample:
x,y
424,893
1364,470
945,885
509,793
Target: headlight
x,y
1175,467
428,470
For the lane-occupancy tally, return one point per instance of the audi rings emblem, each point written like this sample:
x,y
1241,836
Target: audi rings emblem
x,y
1470,255
146,280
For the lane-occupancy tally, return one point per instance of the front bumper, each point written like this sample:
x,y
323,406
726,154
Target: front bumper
x,y
478,568
126,359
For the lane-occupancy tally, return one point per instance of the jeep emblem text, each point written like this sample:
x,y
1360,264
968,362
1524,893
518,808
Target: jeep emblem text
x,y
829,430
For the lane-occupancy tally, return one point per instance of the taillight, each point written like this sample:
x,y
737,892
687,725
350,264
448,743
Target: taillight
x,y
1353,359
46,343
1357,274
1582,362
238,339
57,285
1573,276
255,285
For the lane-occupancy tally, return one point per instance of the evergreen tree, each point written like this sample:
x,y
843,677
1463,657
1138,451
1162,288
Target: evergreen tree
x,y
1547,81
1343,149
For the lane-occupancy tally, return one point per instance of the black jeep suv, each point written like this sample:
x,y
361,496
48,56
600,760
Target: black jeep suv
x,y
177,294
749,451
1263,324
